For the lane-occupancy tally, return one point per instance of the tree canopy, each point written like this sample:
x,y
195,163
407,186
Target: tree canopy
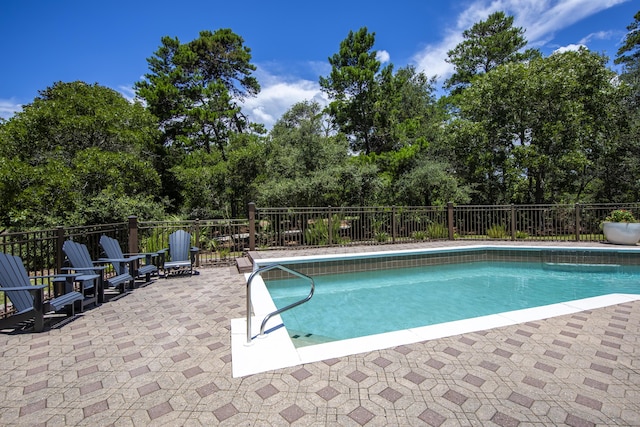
x,y
514,126
195,89
487,45
79,154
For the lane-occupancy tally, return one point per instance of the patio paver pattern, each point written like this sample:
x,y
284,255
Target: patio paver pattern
x,y
161,355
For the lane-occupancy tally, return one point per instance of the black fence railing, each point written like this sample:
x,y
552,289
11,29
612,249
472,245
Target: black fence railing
x,y
221,241
301,227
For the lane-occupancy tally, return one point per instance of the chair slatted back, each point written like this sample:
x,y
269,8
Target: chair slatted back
x,y
78,255
13,274
112,250
179,245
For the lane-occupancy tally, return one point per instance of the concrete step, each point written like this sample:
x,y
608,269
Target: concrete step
x,y
244,265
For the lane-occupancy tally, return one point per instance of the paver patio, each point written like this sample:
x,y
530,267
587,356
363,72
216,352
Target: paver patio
x,y
162,356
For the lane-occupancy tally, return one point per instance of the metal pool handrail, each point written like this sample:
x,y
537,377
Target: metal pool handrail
x,y
270,315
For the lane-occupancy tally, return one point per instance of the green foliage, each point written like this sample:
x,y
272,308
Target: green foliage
x,y
79,154
381,236
544,127
69,117
120,173
351,85
487,44
497,232
621,215
517,128
420,235
429,183
522,235
629,53
40,196
437,230
308,168
317,233
378,110
195,89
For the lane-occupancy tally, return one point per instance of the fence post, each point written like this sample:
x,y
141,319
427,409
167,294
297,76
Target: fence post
x,y
513,222
134,246
330,228
578,214
197,231
59,253
450,219
252,226
393,224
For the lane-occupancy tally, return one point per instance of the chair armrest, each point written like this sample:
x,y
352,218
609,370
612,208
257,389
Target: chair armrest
x,y
55,276
141,254
117,259
97,267
24,288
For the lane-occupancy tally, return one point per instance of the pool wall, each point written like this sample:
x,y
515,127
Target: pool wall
x,y
352,263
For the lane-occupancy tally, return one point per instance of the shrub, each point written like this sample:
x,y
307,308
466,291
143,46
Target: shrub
x,y
497,232
381,236
437,231
621,215
318,231
420,235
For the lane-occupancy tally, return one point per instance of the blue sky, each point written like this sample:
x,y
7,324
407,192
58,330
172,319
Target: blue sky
x,y
108,42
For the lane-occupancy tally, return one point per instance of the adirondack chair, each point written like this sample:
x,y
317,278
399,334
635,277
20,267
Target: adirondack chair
x,y
92,278
182,256
128,263
27,299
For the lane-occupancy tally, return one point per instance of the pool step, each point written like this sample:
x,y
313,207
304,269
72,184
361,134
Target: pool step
x,y
300,339
588,268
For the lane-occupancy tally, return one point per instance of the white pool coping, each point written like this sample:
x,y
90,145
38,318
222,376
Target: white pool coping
x,y
260,262
276,350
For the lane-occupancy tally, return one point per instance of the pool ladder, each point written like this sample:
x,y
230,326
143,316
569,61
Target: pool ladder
x,y
283,309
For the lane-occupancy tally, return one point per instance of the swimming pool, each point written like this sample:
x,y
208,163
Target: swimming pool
x,y
350,305
277,349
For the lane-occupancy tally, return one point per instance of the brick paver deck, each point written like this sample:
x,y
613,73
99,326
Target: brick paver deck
x,y
161,356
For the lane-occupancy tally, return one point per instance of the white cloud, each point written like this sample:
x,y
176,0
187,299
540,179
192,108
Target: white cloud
x,y
277,96
383,56
600,35
8,107
540,19
128,92
432,59
569,48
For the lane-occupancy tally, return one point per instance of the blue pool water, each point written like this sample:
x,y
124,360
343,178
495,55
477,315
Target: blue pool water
x,y
351,305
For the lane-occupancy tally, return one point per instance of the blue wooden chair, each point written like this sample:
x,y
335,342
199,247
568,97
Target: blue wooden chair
x,y
181,255
27,299
91,274
128,263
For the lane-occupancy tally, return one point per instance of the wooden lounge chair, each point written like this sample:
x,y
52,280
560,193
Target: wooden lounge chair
x,y
27,299
128,263
181,256
91,273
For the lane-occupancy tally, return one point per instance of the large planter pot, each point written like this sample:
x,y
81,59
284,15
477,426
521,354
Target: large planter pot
x,y
622,233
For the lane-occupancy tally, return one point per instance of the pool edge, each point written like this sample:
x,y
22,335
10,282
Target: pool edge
x,y
276,351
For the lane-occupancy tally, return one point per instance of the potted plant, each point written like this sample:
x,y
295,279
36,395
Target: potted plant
x,y
620,227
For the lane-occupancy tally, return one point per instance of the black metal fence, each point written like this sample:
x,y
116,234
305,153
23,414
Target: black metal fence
x,y
299,227
222,240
